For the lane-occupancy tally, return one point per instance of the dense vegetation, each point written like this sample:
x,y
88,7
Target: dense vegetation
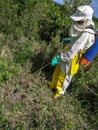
x,y
31,33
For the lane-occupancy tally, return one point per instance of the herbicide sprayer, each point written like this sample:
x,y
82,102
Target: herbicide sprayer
x,y
90,53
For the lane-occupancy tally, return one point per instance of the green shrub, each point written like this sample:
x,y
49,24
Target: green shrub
x,y
7,68
23,53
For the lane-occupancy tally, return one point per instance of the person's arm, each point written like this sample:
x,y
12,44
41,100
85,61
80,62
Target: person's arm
x,y
78,45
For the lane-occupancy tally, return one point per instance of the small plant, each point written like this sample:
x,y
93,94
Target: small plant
x,y
4,124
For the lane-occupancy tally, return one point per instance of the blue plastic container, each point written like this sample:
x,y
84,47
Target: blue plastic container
x,y
90,53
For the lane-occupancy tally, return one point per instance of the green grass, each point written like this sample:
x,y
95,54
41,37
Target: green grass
x,y
27,104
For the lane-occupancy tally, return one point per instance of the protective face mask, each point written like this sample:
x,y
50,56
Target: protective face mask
x,y
76,30
79,27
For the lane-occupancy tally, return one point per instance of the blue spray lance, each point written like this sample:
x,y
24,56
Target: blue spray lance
x,y
57,58
90,53
68,39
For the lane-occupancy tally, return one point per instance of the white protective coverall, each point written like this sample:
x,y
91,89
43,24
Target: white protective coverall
x,y
84,37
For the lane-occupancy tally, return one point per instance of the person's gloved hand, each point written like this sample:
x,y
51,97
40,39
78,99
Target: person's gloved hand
x,y
56,60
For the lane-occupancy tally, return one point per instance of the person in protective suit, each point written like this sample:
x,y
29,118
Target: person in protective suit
x,y
67,63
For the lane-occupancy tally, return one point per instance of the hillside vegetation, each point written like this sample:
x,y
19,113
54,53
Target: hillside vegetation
x,y
31,33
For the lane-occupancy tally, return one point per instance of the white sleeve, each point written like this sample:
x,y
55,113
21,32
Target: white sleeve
x,y
78,45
